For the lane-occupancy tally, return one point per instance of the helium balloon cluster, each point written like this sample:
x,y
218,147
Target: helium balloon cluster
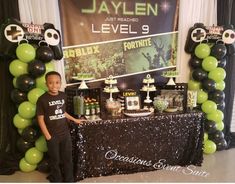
x,y
29,69
208,62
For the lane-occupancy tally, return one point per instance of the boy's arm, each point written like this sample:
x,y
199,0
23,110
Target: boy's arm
x,y
43,127
78,121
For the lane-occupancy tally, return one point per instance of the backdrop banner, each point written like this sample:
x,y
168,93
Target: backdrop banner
x,y
118,37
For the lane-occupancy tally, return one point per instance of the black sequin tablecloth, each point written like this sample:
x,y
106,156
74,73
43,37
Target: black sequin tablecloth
x,y
127,145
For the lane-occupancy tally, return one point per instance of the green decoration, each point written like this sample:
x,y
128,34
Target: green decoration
x,y
217,74
34,94
220,85
18,68
20,122
194,85
25,52
209,106
41,144
25,166
33,156
209,147
27,110
216,116
202,50
209,63
202,96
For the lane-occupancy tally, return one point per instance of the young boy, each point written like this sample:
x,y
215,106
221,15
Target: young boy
x,y
51,117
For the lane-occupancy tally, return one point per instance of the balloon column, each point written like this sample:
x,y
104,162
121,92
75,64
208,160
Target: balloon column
x,y
208,63
32,59
28,69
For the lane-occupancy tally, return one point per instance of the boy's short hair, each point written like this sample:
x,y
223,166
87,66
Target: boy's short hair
x,y
52,73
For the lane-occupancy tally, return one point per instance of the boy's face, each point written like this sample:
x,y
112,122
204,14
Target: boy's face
x,y
53,83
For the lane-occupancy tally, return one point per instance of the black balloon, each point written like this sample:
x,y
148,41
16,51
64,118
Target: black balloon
x,y
35,124
199,74
195,62
216,136
44,53
208,85
18,96
36,68
23,145
210,126
219,50
221,145
25,82
221,105
217,96
30,134
222,62
43,166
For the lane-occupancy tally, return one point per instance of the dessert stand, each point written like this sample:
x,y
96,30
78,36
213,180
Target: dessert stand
x,y
83,77
148,87
111,88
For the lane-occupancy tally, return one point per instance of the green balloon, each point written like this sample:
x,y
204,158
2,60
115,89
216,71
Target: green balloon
x,y
202,50
20,122
194,85
220,114
34,94
25,52
25,166
14,82
217,74
202,96
209,106
20,130
27,110
41,83
41,144
33,156
18,68
209,147
219,125
209,63
205,136
49,66
216,116
220,85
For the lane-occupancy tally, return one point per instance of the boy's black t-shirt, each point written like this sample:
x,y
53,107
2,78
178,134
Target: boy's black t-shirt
x,y
52,107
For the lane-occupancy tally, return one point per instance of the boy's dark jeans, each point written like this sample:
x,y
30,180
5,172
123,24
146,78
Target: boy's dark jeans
x,y
60,154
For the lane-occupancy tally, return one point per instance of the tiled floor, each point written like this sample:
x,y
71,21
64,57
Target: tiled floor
x,y
218,167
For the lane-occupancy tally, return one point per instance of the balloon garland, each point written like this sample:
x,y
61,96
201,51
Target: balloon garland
x,y
29,70
207,79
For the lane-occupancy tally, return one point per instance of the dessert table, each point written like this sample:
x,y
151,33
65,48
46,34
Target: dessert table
x,y
126,145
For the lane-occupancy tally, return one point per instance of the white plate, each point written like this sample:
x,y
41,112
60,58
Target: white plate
x,y
138,114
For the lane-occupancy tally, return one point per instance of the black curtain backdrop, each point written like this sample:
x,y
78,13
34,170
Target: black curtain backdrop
x,y
226,17
9,156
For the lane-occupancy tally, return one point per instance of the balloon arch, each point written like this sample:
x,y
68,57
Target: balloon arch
x,y
32,49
